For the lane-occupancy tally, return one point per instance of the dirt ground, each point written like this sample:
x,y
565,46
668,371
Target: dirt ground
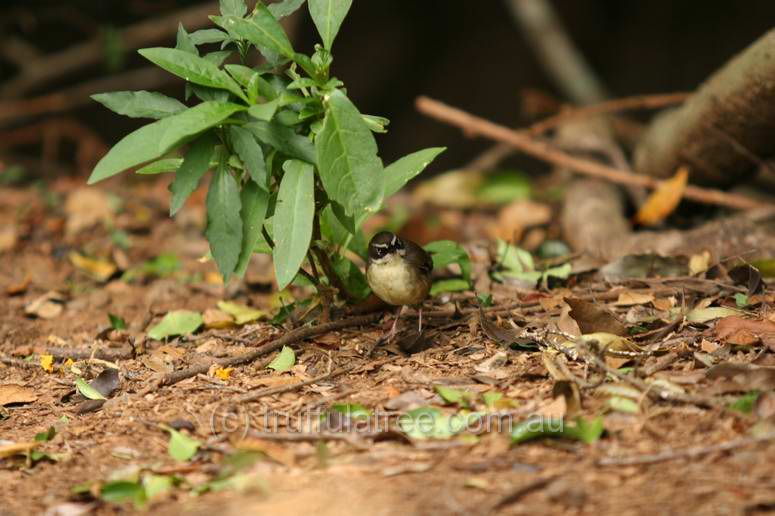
x,y
711,465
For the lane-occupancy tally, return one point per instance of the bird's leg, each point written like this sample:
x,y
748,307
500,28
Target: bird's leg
x,y
395,325
419,317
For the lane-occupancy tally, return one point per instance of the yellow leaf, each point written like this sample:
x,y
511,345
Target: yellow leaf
x,y
69,363
224,373
100,270
242,314
664,200
47,363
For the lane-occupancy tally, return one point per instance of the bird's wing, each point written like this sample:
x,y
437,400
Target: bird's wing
x,y
419,256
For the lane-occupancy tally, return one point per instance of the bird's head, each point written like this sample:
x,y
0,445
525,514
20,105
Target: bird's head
x,y
385,244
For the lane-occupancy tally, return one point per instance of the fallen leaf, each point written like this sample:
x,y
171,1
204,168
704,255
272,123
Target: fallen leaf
x,y
664,200
97,268
629,298
242,314
703,315
217,319
182,447
47,363
47,306
592,318
744,332
107,382
8,237
87,390
179,322
284,360
699,263
503,336
748,276
223,373
514,218
12,393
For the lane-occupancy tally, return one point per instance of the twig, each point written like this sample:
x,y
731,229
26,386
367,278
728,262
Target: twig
x,y
269,391
610,106
686,453
289,338
84,354
546,152
17,362
517,493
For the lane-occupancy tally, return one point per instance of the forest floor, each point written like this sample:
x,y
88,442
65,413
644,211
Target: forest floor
x,y
673,417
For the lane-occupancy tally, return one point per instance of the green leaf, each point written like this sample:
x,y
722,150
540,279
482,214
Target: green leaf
x,y
377,124
255,202
399,173
328,16
184,41
284,139
224,224
178,322
354,280
182,447
264,111
503,187
293,216
192,68
432,423
262,29
157,485
43,437
449,285
284,360
140,104
585,431
195,164
161,166
144,144
251,154
242,314
741,300
347,159
87,390
117,322
196,120
205,36
352,410
233,8
218,57
285,8
446,252
744,404
121,491
455,396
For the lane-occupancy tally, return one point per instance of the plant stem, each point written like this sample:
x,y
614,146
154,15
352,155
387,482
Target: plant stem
x,y
325,262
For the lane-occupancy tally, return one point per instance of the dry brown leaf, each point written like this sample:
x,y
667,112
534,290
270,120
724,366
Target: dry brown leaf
x,y
629,298
514,218
8,237
664,200
12,393
742,377
47,306
744,332
592,318
217,319
20,287
87,207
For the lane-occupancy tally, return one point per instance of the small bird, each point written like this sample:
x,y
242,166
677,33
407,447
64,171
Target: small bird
x,y
399,273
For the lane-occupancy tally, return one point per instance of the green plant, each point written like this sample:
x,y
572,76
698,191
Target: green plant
x,y
295,164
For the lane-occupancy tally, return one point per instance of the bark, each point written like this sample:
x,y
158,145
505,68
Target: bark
x,y
724,130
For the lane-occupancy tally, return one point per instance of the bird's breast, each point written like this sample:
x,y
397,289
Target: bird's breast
x,y
397,283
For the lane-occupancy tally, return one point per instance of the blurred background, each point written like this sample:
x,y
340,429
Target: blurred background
x,y
475,55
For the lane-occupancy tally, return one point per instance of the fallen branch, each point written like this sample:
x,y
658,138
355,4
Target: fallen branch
x,y
85,354
686,453
289,338
478,126
17,362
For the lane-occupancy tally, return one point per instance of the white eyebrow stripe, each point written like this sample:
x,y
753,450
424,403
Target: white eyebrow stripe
x,y
381,246
394,241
